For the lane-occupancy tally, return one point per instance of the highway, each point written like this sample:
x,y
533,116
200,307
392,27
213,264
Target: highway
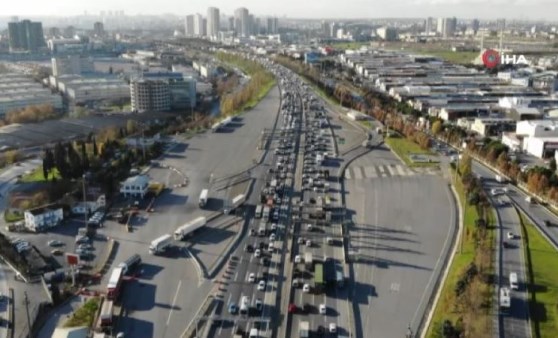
x,y
171,287
404,223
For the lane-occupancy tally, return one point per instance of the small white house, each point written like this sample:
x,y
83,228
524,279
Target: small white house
x,y
92,204
135,186
43,218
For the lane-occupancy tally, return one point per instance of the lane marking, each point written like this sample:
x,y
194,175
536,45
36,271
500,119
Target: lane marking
x,y
174,301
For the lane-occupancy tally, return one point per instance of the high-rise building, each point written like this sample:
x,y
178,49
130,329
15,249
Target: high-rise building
x,y
447,27
26,35
69,32
272,25
242,22
189,25
231,23
257,26
334,27
326,29
428,26
213,22
198,25
162,92
98,29
501,25
387,33
475,25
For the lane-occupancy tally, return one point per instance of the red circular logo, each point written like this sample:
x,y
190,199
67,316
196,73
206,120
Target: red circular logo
x,y
490,58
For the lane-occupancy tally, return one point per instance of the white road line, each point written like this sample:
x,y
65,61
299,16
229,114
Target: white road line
x,y
391,170
400,170
370,172
236,276
174,301
358,173
381,169
348,173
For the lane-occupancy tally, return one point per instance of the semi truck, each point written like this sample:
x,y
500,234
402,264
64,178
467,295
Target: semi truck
x,y
308,260
160,244
263,228
234,203
114,283
265,212
131,263
203,198
304,329
188,228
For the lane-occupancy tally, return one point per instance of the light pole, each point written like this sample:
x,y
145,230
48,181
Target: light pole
x,y
85,208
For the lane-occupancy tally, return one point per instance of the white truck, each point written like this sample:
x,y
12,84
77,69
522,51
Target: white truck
x,y
203,197
160,244
234,203
500,179
304,329
189,227
308,260
265,212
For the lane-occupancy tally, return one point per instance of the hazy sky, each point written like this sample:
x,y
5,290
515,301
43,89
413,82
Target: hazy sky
x,y
521,9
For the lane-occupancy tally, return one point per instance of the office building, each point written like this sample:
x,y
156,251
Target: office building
x,y
73,64
189,26
231,23
213,22
447,27
272,25
387,33
25,36
99,29
242,22
326,29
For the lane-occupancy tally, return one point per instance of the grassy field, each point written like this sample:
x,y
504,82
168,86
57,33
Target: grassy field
x,y
37,175
465,254
85,315
256,99
404,147
542,262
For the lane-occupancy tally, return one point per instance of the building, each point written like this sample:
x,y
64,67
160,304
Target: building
x,y
272,25
71,332
488,127
475,25
428,26
242,23
99,29
74,46
189,26
150,95
447,27
80,89
25,36
501,25
135,186
213,23
94,200
199,28
387,33
326,29
73,64
162,92
18,92
43,218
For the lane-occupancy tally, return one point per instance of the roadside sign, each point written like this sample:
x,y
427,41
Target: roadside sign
x,y
72,259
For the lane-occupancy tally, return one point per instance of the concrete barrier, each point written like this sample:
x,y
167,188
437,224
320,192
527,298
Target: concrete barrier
x,y
101,265
204,310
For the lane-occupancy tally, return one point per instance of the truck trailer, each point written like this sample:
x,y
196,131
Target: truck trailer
x,y
188,228
160,245
234,203
304,329
203,198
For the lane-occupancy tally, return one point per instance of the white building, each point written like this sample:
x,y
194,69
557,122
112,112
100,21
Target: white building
x,y
537,128
135,186
242,24
92,204
199,27
43,218
189,25
73,64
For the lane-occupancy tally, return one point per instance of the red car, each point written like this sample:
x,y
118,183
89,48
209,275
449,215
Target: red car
x,y
292,308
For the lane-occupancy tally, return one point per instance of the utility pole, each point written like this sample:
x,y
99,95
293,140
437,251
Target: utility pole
x,y
85,208
26,303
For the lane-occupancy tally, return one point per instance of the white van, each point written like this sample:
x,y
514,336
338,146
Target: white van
x,y
514,283
244,305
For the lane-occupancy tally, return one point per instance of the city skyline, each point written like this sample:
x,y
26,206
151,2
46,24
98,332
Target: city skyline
x,y
327,9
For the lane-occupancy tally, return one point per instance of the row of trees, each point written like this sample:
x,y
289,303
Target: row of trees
x,y
30,114
259,78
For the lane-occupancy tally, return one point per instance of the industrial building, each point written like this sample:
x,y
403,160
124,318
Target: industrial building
x,y
162,92
18,91
82,89
73,64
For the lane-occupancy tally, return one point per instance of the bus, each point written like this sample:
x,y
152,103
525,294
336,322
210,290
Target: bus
x,y
318,277
259,209
505,299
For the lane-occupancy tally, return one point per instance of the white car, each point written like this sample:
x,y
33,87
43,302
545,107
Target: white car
x,y
323,309
252,277
261,285
257,253
308,242
332,328
511,235
306,288
272,237
55,243
298,259
497,191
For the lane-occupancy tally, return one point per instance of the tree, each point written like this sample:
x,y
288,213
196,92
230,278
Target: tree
x,y
552,165
45,169
465,165
95,149
437,127
131,127
12,156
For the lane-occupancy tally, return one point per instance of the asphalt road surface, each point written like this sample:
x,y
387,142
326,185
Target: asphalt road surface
x,y
404,223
